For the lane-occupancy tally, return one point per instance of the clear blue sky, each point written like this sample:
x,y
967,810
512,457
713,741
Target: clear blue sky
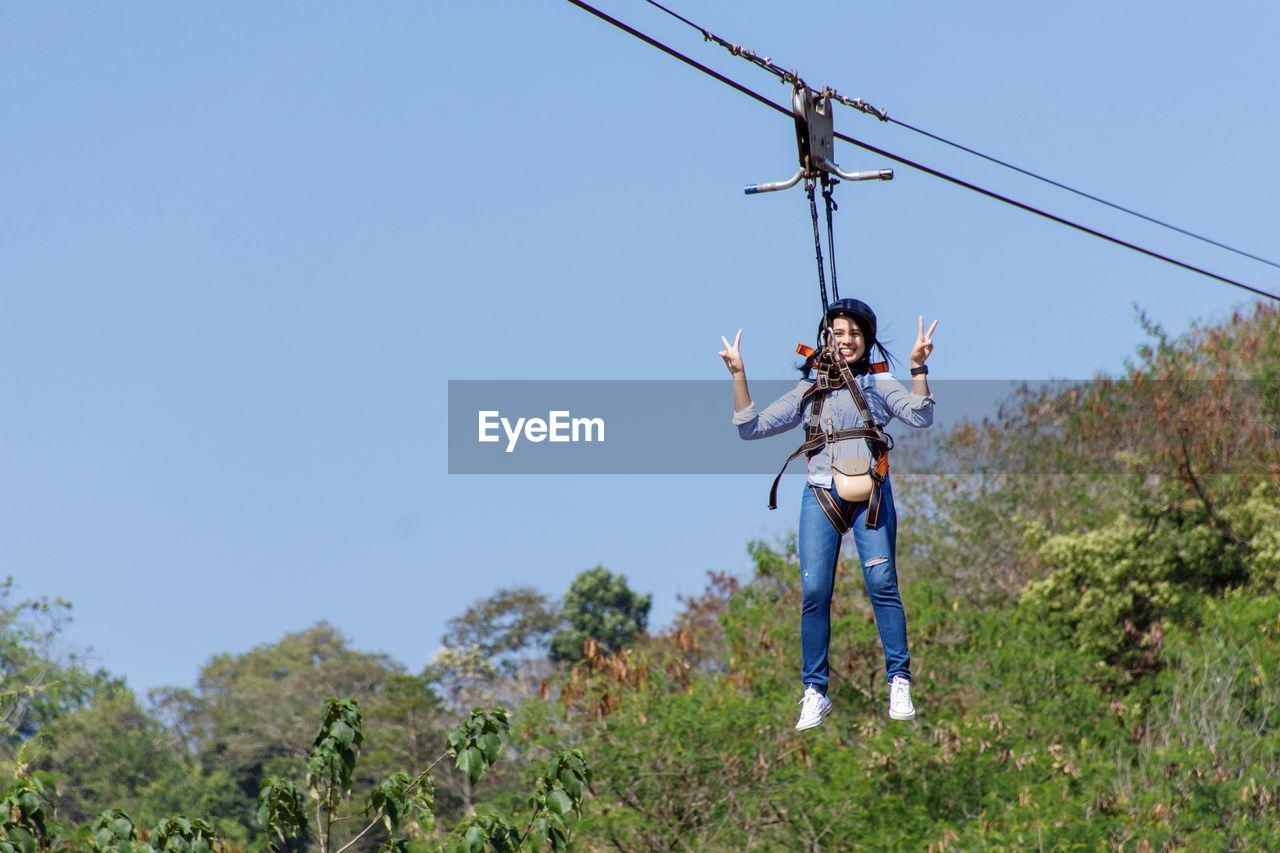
x,y
243,247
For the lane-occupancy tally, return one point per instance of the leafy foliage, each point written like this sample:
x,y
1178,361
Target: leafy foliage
x,y
601,606
401,797
38,683
180,834
485,832
506,625
221,726
476,744
333,755
557,797
404,804
222,720
24,816
110,751
282,812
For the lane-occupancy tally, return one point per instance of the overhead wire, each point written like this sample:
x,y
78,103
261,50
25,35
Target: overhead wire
x,y
858,104
751,93
736,49
1084,194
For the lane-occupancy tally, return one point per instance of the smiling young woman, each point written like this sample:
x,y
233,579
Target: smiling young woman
x,y
845,409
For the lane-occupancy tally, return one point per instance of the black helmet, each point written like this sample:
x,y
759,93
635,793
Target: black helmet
x,y
857,310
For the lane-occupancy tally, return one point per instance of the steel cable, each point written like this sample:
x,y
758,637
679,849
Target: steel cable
x,y
913,164
883,115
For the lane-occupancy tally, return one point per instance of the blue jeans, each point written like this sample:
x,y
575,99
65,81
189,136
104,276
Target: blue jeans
x,y
819,545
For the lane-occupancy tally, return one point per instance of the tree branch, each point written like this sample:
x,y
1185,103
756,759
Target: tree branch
x,y
379,815
320,831
528,829
1217,520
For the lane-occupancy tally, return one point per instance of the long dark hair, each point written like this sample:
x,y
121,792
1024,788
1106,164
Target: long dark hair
x,y
861,365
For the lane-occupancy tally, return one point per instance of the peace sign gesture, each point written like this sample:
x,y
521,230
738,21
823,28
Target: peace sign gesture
x,y
732,355
924,344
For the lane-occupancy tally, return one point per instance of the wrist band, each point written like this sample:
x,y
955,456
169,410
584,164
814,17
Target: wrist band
x,y
920,371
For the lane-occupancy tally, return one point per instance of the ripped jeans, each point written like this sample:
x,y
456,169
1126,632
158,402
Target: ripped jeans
x,y
819,546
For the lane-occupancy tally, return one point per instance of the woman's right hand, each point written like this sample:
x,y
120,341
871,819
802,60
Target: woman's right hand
x,y
732,355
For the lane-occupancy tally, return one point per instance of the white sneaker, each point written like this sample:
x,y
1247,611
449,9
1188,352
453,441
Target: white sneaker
x,y
900,707
813,707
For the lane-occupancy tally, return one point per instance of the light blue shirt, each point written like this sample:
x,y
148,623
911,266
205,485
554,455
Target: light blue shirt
x,y
886,399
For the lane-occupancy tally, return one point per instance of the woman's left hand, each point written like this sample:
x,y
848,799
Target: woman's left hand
x,y
924,344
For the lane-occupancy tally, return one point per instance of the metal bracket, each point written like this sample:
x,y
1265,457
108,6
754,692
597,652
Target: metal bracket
x,y
815,143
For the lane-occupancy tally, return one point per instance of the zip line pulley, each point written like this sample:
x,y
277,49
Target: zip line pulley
x,y
815,143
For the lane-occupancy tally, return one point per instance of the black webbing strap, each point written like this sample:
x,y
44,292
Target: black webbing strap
x,y
814,439
842,519
810,447
829,184
855,432
817,244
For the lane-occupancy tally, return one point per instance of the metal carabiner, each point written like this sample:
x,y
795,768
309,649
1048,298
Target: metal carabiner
x,y
825,342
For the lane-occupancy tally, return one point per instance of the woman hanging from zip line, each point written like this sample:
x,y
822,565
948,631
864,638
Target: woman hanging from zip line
x,y
844,407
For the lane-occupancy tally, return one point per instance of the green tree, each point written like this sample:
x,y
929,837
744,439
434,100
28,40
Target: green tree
x,y
600,605
251,714
465,673
507,626
111,753
39,679
401,806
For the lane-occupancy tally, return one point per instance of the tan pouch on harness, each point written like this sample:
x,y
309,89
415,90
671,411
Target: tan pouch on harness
x,y
852,478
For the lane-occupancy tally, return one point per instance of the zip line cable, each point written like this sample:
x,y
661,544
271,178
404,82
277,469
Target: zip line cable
x,y
858,104
1089,196
736,49
693,63
1050,216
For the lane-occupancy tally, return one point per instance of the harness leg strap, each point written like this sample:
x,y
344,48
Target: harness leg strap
x,y
873,502
841,519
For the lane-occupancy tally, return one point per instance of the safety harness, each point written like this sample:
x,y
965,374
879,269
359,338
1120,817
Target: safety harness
x,y
832,375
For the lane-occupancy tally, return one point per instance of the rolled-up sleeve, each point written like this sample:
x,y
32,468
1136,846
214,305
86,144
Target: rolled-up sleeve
x,y
779,416
912,409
